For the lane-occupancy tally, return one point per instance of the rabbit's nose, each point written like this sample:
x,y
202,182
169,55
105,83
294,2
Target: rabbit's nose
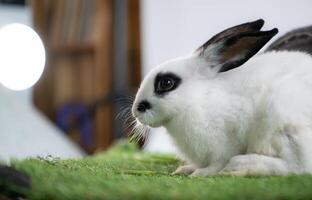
x,y
143,106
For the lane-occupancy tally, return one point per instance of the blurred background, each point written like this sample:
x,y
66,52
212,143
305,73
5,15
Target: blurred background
x,y
98,51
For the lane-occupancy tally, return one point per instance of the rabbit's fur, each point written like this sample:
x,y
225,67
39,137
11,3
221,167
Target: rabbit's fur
x,y
239,118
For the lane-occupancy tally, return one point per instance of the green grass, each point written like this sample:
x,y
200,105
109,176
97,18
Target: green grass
x,y
125,173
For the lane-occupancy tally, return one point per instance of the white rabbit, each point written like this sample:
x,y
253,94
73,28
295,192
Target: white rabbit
x,y
229,116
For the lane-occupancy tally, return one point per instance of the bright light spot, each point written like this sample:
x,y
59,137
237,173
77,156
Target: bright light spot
x,y
22,56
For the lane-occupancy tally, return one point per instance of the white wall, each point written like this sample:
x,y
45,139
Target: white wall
x,y
13,14
173,28
25,132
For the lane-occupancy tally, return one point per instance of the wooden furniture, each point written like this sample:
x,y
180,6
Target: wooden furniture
x,y
79,35
78,38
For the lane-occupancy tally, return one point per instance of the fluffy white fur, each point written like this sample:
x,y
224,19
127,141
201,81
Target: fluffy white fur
x,y
253,120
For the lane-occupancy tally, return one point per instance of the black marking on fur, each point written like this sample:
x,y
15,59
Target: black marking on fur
x,y
242,28
162,80
236,45
259,39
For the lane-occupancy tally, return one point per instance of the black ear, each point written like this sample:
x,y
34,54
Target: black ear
x,y
234,49
242,28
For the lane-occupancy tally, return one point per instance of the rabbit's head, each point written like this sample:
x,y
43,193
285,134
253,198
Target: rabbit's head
x,y
173,86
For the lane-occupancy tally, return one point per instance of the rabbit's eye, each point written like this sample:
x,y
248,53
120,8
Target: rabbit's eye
x,y
165,83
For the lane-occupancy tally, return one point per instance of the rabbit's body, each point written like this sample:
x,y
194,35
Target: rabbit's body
x,y
227,115
263,107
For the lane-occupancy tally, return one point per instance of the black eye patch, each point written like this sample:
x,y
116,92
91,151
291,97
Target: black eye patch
x,y
165,82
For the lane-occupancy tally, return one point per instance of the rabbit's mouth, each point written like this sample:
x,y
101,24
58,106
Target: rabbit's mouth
x,y
150,120
150,113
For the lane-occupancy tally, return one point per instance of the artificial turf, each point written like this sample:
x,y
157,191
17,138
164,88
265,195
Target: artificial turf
x,y
124,172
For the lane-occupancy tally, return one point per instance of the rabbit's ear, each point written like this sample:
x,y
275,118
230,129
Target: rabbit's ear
x,y
234,50
242,28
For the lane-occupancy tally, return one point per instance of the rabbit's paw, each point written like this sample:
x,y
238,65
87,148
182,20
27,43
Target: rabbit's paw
x,y
186,169
208,171
239,166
